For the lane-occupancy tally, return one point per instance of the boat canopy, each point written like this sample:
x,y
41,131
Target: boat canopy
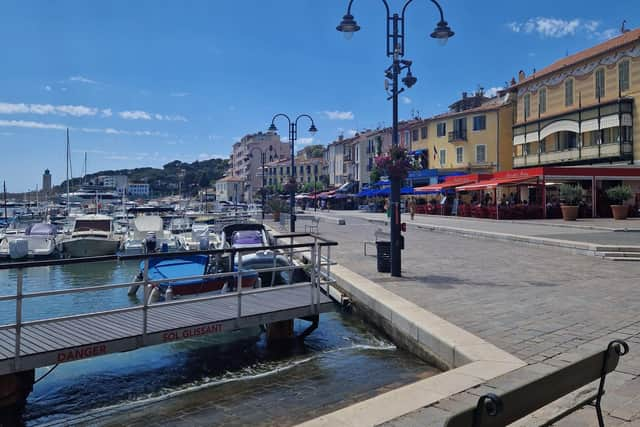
x,y
41,229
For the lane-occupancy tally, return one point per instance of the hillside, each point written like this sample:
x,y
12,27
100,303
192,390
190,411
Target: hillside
x,y
190,176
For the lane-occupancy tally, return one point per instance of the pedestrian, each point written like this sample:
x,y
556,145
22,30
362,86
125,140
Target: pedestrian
x,y
412,207
386,208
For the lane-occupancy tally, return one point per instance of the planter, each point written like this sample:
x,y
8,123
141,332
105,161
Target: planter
x,y
276,216
569,212
619,211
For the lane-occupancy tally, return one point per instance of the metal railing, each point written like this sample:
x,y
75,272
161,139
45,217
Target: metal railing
x,y
318,266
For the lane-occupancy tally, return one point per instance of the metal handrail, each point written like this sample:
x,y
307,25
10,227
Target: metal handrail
x,y
316,276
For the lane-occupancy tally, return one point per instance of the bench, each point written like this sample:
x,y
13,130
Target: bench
x,y
493,410
380,236
313,227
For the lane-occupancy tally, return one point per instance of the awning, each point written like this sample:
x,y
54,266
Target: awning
x,y
443,186
493,183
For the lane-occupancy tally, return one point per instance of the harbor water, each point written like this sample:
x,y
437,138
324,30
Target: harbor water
x,y
230,379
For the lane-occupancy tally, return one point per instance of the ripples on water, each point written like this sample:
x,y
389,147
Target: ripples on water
x,y
205,370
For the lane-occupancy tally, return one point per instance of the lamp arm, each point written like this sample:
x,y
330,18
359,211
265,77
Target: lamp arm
x,y
432,1
386,5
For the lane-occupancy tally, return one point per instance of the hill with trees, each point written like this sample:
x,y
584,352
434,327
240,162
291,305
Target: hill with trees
x,y
189,177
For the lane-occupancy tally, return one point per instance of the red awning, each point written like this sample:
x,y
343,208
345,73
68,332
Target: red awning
x,y
443,185
493,183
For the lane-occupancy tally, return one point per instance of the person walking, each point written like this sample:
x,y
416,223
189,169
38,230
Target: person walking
x,y
412,207
386,208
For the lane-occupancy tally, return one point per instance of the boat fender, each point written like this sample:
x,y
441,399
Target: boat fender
x,y
154,295
168,295
204,243
164,247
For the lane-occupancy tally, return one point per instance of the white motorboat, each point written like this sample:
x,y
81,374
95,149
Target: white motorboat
x,y
92,236
147,232
38,240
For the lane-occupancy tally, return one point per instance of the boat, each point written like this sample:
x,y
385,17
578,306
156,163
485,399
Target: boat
x,y
183,268
179,225
92,235
38,240
147,234
245,235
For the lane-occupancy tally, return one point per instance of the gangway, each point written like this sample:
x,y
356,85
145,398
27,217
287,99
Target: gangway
x,y
26,345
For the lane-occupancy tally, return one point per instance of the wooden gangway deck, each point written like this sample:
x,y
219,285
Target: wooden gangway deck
x,y
26,345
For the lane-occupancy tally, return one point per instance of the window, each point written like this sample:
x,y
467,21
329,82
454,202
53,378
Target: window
x,y
460,129
623,75
443,157
407,137
481,153
479,122
599,77
542,100
423,132
568,92
459,154
442,129
414,135
527,106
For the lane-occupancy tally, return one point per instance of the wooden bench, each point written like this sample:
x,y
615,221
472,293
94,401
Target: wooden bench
x,y
493,410
380,236
314,226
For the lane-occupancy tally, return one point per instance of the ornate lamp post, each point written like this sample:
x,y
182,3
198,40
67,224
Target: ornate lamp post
x,y
395,50
263,158
293,136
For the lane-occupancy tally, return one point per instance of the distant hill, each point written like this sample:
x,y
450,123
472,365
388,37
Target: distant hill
x,y
192,176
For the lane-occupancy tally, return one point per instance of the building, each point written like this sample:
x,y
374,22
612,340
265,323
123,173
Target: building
x,y
119,182
138,190
230,189
310,172
581,109
474,136
246,159
46,181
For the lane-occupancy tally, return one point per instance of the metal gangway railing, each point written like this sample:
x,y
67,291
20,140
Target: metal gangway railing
x,y
21,352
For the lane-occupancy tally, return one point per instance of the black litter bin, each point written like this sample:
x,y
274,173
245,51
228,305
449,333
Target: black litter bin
x,y
383,250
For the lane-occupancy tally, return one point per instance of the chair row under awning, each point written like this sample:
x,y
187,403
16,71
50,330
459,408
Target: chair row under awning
x,y
492,183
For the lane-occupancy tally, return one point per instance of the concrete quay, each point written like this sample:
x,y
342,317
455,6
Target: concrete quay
x,y
543,306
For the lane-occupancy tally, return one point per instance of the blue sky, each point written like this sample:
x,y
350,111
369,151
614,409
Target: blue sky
x,y
141,83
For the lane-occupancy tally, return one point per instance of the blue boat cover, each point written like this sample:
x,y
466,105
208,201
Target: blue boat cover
x,y
175,267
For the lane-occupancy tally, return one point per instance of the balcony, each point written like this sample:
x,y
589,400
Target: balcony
x,y
590,154
458,135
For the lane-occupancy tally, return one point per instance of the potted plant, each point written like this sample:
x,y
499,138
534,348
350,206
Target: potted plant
x,y
617,196
571,195
276,205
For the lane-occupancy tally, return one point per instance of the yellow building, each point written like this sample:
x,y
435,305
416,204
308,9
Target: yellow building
x,y
474,136
580,109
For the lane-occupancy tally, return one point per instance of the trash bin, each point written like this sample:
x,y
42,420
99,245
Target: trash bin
x,y
383,250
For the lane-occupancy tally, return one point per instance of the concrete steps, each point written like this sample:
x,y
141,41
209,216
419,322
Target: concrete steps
x,y
620,253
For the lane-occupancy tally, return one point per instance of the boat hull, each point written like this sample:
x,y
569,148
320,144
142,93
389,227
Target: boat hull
x,y
206,285
87,247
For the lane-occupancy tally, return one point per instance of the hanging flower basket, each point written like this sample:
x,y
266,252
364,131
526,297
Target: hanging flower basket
x,y
396,163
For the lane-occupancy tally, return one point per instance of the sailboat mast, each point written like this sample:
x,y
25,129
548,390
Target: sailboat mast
x,y
68,205
4,186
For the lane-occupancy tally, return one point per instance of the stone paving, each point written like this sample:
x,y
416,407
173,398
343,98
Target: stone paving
x,y
540,304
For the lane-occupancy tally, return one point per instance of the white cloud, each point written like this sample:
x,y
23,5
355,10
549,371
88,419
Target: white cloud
x,y
135,115
548,27
42,109
338,115
107,112
55,126
47,88
405,99
304,141
30,125
492,91
82,79
180,94
143,115
351,133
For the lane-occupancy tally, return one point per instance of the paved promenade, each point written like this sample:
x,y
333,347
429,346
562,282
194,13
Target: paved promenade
x,y
540,304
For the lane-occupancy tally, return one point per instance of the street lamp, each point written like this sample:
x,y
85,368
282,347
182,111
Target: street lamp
x,y
293,135
395,50
263,158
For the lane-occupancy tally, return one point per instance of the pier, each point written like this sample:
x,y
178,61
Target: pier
x,y
26,345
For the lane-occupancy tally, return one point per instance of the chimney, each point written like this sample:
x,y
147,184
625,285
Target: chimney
x,y
340,137
464,95
521,76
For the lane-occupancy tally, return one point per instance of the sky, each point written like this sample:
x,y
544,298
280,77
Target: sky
x,y
142,83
